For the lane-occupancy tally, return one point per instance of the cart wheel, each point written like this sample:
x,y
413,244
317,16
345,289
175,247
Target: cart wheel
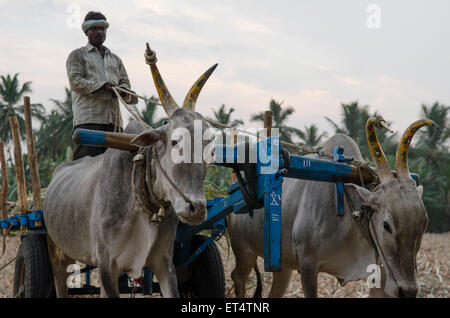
x,y
206,275
33,274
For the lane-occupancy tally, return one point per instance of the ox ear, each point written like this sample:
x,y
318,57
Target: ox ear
x,y
367,197
147,138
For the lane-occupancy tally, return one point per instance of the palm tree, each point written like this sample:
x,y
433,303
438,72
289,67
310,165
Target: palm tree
x,y
11,94
280,117
55,134
435,138
310,136
223,116
148,114
431,159
354,118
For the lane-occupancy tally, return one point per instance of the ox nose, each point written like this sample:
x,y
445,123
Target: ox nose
x,y
407,292
198,208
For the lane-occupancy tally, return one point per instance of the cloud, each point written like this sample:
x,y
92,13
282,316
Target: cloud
x,y
302,53
251,26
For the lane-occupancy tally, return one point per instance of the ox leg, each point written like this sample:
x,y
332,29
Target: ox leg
x,y
167,277
59,262
280,283
308,273
109,277
244,265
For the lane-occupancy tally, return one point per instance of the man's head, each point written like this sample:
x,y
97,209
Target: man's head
x,y
94,26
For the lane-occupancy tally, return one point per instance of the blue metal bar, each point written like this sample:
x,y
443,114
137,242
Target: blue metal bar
x,y
272,209
272,223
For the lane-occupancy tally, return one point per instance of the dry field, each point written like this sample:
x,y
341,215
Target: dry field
x,y
433,272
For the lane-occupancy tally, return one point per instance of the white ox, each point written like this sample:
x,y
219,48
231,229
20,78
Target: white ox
x,y
95,215
315,240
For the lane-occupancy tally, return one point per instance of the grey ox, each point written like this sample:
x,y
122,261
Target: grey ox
x,y
315,240
96,215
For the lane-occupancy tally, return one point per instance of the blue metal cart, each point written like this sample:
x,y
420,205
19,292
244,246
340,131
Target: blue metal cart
x,y
195,254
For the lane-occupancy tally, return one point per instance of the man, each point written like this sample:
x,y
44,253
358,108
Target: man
x,y
93,70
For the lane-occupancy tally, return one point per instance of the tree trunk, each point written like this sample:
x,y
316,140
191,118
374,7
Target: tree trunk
x,y
32,159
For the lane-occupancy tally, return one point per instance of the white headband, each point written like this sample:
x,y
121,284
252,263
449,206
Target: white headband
x,y
94,23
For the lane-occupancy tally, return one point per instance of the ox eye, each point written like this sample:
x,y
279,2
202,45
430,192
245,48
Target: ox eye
x,y
174,143
387,227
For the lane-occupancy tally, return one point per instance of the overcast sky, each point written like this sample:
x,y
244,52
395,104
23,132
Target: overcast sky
x,y
313,55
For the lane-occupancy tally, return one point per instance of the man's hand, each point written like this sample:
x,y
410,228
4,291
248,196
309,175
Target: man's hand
x,y
108,87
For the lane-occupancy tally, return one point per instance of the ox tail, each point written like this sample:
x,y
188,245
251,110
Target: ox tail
x,y
258,290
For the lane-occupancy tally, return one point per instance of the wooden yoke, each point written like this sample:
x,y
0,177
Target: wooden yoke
x,y
32,158
98,138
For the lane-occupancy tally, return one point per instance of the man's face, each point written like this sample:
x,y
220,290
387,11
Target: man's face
x,y
96,35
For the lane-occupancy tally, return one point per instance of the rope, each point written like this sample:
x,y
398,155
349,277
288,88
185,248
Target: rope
x,y
115,89
154,156
302,148
12,260
5,233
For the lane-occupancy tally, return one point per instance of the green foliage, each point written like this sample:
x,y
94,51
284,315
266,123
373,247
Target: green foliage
x,y
223,116
217,181
280,116
148,114
431,159
310,136
353,123
11,94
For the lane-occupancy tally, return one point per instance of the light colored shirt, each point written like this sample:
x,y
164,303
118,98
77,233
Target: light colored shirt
x,y
88,71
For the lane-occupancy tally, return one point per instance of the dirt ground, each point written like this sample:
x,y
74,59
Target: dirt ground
x,y
433,272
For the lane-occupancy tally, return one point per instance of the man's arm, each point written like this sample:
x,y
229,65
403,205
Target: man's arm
x,y
75,73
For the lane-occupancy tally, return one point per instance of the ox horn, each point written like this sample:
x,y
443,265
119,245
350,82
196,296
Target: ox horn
x,y
401,156
378,157
169,104
192,95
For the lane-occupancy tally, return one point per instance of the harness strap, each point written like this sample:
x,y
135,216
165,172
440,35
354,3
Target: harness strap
x,y
386,263
367,228
174,186
363,221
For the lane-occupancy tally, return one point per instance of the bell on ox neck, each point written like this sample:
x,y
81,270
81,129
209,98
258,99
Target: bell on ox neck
x,y
158,217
